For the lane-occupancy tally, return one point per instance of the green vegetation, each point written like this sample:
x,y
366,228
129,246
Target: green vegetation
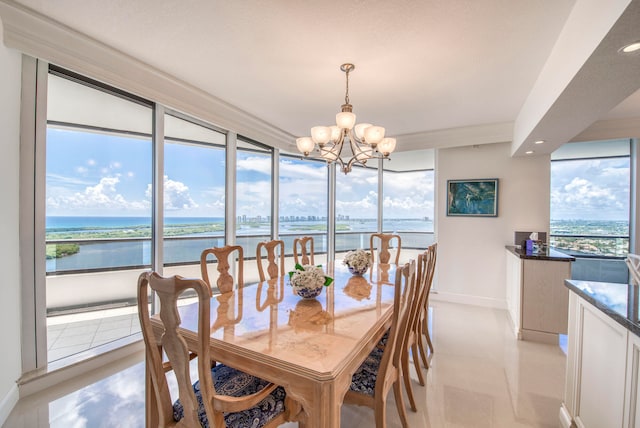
x,y
55,251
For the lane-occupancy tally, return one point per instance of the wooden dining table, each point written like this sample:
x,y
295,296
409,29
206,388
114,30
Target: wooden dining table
x,y
311,347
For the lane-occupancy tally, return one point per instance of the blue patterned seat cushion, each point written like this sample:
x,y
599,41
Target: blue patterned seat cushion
x,y
383,342
364,379
232,382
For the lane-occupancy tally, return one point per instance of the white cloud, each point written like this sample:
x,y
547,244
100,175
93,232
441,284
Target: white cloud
x,y
176,195
595,189
260,164
103,197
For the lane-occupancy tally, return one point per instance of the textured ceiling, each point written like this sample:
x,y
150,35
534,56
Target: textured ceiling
x,y
420,65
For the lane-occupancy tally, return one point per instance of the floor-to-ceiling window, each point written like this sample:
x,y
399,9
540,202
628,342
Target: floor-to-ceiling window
x,y
356,208
98,211
194,193
303,201
408,206
590,197
254,190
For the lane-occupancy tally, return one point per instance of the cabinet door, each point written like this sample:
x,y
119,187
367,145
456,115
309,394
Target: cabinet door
x,y
632,392
545,299
602,354
514,290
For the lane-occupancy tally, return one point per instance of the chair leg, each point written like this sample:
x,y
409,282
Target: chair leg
x,y
380,411
416,363
425,328
423,353
407,380
397,393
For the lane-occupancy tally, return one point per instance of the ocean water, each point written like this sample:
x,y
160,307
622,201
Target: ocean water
x,y
97,222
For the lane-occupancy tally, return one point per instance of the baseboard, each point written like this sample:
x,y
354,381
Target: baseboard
x,y
540,336
467,299
565,418
8,403
514,327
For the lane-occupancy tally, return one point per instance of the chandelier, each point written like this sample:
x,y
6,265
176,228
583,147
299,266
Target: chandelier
x,y
366,141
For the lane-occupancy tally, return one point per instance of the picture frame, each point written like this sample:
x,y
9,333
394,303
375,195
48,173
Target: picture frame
x,y
473,197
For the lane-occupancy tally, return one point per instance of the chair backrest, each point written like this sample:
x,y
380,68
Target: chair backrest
x,y
272,266
404,294
383,251
175,346
225,280
302,243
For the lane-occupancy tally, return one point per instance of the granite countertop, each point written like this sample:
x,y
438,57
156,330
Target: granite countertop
x,y
618,301
547,254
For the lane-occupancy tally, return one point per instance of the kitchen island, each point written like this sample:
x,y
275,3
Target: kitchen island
x,y
537,300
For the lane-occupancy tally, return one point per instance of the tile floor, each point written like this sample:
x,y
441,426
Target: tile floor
x,y
70,334
480,377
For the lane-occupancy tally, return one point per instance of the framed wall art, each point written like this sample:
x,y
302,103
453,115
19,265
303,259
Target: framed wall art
x,y
476,198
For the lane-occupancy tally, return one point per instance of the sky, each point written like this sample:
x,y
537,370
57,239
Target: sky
x,y
590,189
97,174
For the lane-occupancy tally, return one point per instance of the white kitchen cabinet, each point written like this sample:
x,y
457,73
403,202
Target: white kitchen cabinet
x,y
603,361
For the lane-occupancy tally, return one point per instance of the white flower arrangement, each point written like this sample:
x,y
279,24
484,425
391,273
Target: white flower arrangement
x,y
309,276
357,259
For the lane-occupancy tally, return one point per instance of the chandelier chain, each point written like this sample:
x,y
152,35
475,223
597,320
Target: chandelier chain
x,y
346,95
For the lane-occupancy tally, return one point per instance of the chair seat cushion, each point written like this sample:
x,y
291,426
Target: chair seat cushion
x,y
364,379
232,382
384,339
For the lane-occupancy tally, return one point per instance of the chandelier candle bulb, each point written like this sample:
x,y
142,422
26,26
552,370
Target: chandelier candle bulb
x,y
305,145
345,120
387,145
373,135
364,140
321,134
360,128
336,132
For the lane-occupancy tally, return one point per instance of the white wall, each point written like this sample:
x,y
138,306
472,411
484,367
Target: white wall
x,y
471,262
10,365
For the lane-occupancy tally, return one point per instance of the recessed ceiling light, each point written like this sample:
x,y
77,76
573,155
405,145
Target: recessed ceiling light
x,y
630,48
539,142
529,152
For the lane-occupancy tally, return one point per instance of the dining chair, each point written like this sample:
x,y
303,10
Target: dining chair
x,y
305,259
272,267
424,321
411,342
383,251
225,280
223,396
380,371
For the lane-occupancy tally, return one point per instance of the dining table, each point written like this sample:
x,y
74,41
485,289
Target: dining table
x,y
311,347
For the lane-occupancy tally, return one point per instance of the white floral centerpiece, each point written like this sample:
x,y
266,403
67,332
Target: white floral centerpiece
x,y
307,281
358,261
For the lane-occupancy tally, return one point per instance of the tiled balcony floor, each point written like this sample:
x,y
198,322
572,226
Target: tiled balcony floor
x,y
71,334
